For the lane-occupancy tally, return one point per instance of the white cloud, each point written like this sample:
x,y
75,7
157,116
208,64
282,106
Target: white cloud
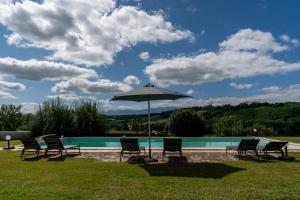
x,y
252,40
71,97
241,86
42,70
271,89
202,32
29,107
86,86
6,95
244,54
131,80
12,86
288,94
144,55
84,32
288,39
190,92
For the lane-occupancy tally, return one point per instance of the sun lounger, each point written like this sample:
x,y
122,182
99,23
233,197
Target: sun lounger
x,y
130,146
244,146
54,143
275,147
30,144
172,145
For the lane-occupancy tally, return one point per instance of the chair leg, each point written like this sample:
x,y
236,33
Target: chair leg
x,y
121,154
22,153
46,152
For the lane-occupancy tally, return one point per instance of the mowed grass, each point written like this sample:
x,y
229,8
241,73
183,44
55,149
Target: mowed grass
x,y
75,178
11,143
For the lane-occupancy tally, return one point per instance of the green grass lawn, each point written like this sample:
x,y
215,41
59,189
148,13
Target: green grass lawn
x,y
89,179
12,142
286,138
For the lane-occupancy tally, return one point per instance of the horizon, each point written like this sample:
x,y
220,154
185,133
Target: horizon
x,y
220,53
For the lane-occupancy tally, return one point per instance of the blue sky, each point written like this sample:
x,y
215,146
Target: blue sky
x,y
220,52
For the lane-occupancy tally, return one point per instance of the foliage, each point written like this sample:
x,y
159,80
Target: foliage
x,y
186,123
88,119
53,117
228,125
10,117
56,117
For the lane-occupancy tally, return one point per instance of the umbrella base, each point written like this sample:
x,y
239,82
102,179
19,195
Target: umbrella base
x,y
150,160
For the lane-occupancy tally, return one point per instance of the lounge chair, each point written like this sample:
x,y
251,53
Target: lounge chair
x,y
172,145
30,144
54,143
130,146
275,147
244,146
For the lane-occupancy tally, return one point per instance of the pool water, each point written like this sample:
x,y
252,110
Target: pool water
x,y
156,142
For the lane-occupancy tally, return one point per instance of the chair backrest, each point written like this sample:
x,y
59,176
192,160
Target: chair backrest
x,y
53,142
30,143
248,144
172,144
130,144
275,145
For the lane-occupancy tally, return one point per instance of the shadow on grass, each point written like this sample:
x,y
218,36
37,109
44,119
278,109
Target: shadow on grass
x,y
201,170
31,158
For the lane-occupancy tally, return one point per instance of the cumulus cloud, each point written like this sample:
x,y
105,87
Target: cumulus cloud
x,y
29,107
42,70
288,39
144,55
271,89
244,54
6,95
190,92
84,32
86,86
241,86
12,86
131,80
71,97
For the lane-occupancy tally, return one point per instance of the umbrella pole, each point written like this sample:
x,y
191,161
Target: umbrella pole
x,y
149,127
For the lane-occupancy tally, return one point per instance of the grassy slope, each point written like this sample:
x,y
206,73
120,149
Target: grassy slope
x,y
89,179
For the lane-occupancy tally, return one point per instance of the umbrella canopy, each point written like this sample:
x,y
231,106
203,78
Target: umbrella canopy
x,y
148,93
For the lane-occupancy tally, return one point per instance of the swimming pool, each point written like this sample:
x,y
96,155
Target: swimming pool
x,y
156,142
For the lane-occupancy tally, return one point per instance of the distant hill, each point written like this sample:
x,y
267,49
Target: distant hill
x,y
137,112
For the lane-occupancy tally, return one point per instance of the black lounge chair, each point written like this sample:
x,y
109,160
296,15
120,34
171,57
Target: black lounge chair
x,y
275,147
30,144
172,145
54,143
130,146
244,146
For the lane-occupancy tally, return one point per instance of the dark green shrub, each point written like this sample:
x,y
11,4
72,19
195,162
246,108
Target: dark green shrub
x,y
88,119
186,123
53,117
10,117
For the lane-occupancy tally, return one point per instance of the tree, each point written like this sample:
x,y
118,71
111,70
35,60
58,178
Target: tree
x,y
10,117
186,123
88,118
228,125
53,117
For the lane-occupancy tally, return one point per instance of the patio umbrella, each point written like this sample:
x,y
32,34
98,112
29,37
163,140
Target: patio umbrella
x,y
148,93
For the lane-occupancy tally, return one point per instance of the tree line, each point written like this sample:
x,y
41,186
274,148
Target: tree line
x,y
86,118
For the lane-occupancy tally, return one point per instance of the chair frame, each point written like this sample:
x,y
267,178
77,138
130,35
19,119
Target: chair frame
x,y
244,146
130,146
54,143
275,147
30,144
172,145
